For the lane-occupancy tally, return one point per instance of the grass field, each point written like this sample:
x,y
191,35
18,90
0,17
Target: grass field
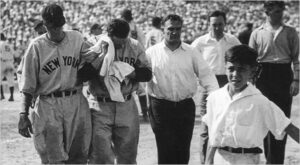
x,y
18,150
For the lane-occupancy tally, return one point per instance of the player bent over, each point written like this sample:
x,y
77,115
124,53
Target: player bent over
x,y
61,120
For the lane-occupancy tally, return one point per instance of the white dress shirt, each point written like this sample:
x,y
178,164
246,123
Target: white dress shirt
x,y
244,120
213,51
175,72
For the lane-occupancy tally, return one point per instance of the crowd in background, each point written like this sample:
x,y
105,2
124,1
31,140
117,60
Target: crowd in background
x,y
18,17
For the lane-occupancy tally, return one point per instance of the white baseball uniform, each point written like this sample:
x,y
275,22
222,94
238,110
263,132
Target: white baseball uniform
x,y
7,63
61,118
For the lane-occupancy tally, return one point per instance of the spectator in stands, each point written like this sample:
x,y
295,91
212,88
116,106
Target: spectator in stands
x,y
96,30
155,35
135,31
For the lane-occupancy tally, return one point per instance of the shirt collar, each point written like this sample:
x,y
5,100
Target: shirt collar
x,y
210,38
266,25
182,46
248,91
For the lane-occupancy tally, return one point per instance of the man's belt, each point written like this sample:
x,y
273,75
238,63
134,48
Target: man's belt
x,y
255,150
108,99
62,93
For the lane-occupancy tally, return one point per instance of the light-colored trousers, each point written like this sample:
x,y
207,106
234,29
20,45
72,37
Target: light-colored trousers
x,y
115,133
62,129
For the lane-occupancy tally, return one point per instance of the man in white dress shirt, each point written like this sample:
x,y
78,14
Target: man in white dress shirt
x,y
212,47
176,69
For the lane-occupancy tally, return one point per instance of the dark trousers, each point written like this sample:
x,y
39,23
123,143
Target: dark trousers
x,y
274,82
173,125
222,80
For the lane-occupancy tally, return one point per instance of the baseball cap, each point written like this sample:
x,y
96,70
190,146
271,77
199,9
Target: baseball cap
x,y
126,14
53,14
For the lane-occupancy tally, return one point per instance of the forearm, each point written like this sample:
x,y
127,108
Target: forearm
x,y
296,70
209,83
26,103
293,132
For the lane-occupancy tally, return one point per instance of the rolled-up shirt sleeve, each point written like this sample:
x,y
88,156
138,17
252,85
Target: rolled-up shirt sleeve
x,y
276,120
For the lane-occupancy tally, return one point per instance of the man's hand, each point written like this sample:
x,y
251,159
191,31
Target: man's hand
x,y
25,127
294,89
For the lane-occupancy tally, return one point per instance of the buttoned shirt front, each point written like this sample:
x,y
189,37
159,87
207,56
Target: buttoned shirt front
x,y
213,51
243,120
276,47
175,72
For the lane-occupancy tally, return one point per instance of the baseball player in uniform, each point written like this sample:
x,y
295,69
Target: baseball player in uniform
x,y
61,118
116,124
7,67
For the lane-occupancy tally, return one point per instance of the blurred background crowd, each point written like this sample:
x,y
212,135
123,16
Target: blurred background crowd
x,y
18,17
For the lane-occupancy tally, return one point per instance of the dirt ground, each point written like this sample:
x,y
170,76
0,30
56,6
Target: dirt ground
x,y
18,150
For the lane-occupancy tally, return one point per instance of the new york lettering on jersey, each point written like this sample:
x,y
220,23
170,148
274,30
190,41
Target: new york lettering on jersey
x,y
53,64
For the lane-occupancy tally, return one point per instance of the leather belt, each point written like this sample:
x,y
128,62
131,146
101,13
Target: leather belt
x,y
108,99
62,93
255,150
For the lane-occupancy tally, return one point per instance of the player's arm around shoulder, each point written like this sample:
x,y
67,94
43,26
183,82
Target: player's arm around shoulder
x,y
142,66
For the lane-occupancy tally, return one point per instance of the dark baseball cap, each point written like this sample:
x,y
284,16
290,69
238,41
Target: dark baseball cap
x,y
126,14
52,14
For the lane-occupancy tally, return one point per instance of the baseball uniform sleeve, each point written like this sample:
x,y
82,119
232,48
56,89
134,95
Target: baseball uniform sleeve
x,y
29,75
142,66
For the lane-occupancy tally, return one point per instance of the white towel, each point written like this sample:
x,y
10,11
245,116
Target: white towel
x,y
114,72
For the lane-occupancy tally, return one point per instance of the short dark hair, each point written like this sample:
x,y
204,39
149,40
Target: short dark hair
x,y
217,13
127,15
242,54
53,14
156,21
268,5
249,25
172,17
118,28
95,26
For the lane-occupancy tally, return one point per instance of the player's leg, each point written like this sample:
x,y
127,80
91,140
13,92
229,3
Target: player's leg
x,y
48,131
10,83
2,93
1,86
77,128
126,132
101,151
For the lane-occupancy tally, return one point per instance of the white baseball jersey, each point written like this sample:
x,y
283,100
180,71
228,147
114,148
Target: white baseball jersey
x,y
50,67
6,62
